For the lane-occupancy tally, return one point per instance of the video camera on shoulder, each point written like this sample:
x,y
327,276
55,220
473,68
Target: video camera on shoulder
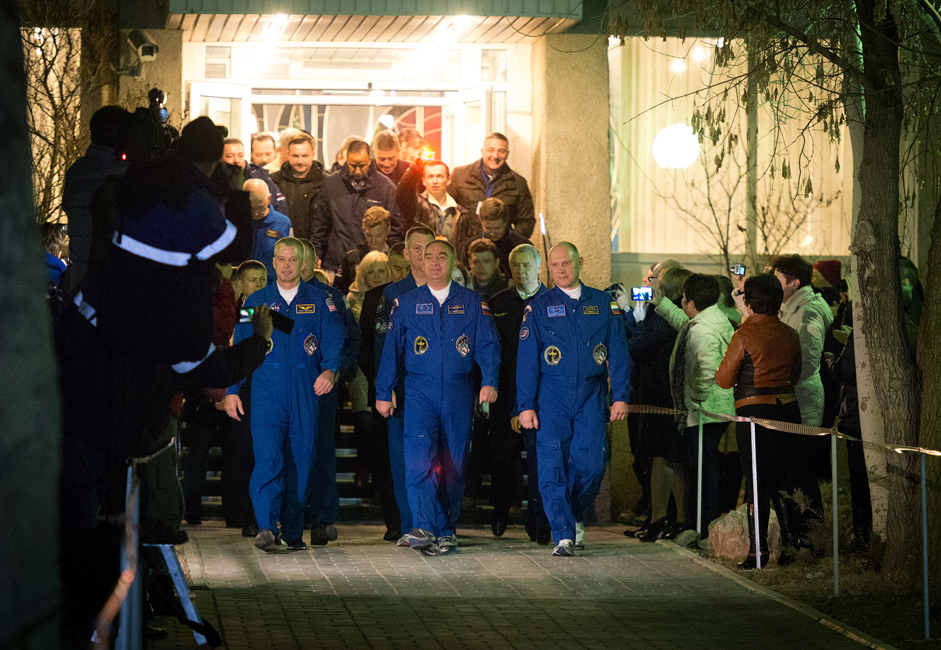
x,y
147,132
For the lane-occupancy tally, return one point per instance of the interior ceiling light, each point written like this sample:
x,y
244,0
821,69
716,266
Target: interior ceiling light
x,y
275,28
678,65
675,147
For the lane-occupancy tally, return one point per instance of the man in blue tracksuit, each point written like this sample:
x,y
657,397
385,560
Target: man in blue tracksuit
x,y
415,241
324,497
299,369
571,341
268,225
436,334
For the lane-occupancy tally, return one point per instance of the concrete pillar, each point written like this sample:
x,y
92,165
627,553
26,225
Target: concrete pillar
x,y
571,177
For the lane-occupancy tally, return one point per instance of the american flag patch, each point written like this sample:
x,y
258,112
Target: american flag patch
x,y
485,308
330,305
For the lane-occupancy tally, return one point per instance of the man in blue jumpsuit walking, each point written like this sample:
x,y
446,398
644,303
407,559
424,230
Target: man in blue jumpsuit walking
x,y
415,241
299,368
435,335
324,496
571,341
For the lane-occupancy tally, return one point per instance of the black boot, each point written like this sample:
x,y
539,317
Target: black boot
x,y
788,534
751,562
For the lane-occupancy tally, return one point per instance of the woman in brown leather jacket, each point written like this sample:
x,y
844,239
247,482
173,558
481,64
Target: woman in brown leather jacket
x,y
763,363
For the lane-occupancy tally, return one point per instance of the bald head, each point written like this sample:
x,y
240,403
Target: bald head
x,y
259,195
565,264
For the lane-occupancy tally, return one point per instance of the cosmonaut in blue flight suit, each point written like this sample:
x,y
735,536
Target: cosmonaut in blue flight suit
x,y
571,340
435,344
415,241
299,369
324,497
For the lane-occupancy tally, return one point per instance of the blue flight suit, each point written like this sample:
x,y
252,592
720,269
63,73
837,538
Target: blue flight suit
x,y
324,497
562,373
284,406
436,347
265,234
396,423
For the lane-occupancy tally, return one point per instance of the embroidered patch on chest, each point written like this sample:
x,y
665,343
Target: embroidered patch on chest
x,y
424,309
421,345
555,311
600,354
310,345
305,309
524,334
552,355
273,234
615,309
455,309
330,305
590,310
463,345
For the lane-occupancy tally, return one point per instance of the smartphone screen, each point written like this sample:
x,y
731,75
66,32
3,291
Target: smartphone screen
x,y
644,294
737,269
245,314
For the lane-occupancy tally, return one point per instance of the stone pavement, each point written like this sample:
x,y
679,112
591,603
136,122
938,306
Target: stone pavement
x,y
361,592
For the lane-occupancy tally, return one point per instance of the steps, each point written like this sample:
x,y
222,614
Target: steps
x,y
354,507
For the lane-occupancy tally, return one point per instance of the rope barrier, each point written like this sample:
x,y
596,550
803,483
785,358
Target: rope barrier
x,y
804,430
786,427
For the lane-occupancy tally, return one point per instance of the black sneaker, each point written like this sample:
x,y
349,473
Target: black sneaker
x,y
295,544
250,531
320,535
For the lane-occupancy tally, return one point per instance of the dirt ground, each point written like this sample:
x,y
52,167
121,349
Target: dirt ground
x,y
890,610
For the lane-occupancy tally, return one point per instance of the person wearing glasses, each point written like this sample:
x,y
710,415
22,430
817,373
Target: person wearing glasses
x,y
346,195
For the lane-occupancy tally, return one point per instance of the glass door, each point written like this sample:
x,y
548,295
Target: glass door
x,y
225,104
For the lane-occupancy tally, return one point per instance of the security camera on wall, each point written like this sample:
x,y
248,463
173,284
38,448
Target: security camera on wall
x,y
143,44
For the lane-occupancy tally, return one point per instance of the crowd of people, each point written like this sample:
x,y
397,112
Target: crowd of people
x,y
241,290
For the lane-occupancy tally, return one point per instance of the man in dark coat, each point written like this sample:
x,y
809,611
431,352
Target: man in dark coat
x,y
300,180
491,177
347,194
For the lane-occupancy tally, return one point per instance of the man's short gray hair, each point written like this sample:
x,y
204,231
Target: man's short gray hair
x,y
526,248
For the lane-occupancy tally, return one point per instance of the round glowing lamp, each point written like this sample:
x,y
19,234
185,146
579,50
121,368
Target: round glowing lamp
x,y
675,147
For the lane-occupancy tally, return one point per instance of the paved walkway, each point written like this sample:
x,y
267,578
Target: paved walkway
x,y
360,592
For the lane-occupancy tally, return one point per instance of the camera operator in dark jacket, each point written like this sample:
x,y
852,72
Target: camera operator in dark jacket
x,y
337,223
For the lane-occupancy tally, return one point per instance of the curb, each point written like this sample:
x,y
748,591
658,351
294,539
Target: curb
x,y
839,627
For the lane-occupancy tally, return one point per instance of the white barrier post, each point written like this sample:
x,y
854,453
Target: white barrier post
x,y
924,542
836,523
754,493
699,481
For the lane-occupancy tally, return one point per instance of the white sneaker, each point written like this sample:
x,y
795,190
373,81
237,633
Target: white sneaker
x,y
447,543
579,535
566,548
403,541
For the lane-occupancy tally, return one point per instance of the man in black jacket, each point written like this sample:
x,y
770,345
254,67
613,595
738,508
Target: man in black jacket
x,y
491,177
337,225
385,145
300,180
507,439
433,207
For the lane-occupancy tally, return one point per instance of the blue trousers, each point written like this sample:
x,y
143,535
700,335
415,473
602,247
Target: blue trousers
x,y
324,496
396,427
284,429
436,444
570,449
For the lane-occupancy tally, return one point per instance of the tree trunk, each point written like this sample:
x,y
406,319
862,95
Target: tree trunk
x,y
876,244
29,396
929,351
